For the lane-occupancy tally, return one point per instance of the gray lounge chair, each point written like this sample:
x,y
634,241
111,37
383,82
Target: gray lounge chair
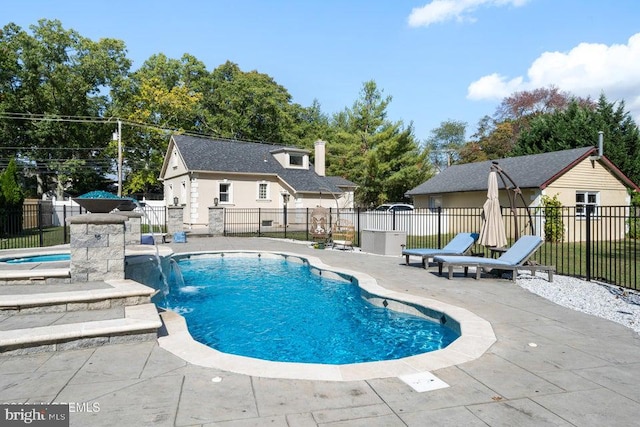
x,y
459,245
513,259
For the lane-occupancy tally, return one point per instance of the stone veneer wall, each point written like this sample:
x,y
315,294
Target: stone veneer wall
x,y
132,232
175,220
97,247
216,221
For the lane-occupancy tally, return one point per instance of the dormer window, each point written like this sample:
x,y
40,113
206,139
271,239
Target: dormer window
x,y
292,158
296,159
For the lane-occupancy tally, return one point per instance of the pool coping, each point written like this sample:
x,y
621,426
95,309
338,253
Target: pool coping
x,y
36,270
477,336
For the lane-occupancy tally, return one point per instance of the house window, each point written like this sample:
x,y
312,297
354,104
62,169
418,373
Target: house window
x,y
225,192
296,159
183,191
263,191
435,202
587,201
174,159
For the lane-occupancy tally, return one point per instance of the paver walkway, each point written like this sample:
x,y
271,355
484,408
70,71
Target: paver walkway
x,y
583,371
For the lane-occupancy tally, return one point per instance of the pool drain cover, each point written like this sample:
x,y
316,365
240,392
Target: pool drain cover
x,y
423,381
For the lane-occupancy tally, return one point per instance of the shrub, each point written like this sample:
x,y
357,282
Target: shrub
x,y
553,223
11,199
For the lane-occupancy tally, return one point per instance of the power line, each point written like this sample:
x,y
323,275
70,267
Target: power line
x,y
53,148
113,120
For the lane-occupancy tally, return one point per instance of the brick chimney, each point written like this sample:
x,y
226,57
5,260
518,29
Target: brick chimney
x,y
319,157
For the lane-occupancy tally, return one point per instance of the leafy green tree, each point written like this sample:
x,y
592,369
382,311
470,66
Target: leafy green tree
x,y
164,94
311,124
53,82
445,143
578,126
381,156
249,106
496,143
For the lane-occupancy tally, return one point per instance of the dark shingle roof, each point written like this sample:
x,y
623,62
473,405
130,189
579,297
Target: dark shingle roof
x,y
534,171
219,155
341,182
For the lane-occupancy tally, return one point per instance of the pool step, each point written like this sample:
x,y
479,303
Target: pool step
x,y
139,323
35,276
75,297
83,315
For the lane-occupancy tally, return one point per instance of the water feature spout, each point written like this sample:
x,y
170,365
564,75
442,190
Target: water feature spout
x,y
164,285
175,274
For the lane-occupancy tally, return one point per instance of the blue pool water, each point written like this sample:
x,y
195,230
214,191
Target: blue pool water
x,y
37,258
277,310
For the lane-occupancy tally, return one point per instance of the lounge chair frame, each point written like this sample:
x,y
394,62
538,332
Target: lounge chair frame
x,y
446,250
484,263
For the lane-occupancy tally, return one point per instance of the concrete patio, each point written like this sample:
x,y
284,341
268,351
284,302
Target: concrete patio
x,y
549,366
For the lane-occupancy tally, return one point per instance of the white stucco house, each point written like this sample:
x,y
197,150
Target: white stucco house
x,y
201,172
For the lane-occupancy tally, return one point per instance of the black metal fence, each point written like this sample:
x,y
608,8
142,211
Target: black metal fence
x,y
591,242
42,223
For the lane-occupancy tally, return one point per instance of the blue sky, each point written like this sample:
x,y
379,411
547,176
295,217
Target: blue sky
x,y
439,60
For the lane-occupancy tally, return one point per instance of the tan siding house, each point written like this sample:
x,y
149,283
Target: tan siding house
x,y
579,178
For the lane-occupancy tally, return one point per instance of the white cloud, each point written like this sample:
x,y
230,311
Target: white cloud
x,y
588,69
460,10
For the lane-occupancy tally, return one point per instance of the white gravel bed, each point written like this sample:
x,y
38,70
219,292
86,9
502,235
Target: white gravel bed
x,y
609,302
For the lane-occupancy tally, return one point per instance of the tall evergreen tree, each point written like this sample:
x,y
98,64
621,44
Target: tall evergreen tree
x,y
578,126
381,156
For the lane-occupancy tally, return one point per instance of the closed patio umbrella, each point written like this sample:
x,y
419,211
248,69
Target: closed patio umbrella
x,y
492,233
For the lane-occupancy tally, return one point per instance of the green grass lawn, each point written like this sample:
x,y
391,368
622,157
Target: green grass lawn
x,y
31,238
615,262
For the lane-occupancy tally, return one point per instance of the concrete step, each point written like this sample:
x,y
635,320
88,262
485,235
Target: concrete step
x,y
75,297
24,276
83,329
37,318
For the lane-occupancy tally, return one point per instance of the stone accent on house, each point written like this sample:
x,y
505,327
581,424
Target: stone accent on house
x,y
97,247
216,220
175,219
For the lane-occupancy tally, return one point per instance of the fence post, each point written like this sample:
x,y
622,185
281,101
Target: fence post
x,y
306,220
393,220
64,224
588,243
358,224
40,231
259,220
439,226
285,220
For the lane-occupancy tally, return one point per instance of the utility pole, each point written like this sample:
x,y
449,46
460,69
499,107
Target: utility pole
x,y
117,135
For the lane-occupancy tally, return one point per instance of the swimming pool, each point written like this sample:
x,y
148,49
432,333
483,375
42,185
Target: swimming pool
x,y
280,309
37,258
476,334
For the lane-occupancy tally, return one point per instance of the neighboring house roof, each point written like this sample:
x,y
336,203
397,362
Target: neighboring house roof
x,y
533,171
341,182
220,155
